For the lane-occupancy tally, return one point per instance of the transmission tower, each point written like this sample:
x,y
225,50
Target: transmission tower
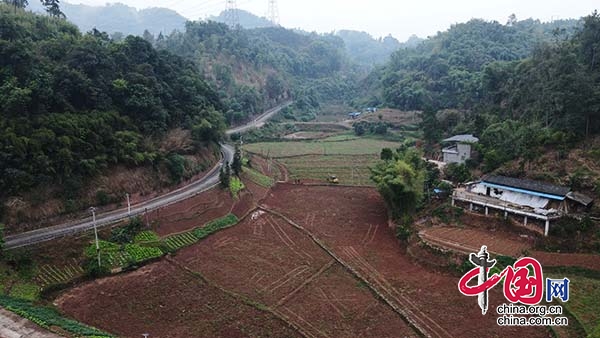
x,y
231,13
273,13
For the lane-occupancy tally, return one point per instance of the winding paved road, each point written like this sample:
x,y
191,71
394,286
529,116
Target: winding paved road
x,y
207,182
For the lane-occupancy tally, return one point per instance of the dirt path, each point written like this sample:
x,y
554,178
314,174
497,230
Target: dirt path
x,y
13,326
470,240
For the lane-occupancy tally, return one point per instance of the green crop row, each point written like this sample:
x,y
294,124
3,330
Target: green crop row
x,y
138,253
214,226
178,241
50,274
48,317
146,236
258,178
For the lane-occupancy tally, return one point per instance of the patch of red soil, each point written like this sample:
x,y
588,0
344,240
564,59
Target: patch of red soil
x,y
337,297
268,260
165,300
352,222
588,261
468,240
263,257
190,213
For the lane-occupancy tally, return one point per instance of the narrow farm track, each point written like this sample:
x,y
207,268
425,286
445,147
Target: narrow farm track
x,y
412,310
365,272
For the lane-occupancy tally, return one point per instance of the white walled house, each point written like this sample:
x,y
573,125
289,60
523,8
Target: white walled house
x,y
527,198
459,149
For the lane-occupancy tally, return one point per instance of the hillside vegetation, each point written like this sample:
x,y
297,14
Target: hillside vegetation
x,y
118,18
253,69
73,105
523,88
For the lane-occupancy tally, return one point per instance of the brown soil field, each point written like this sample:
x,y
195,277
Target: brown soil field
x,y
352,222
191,213
164,300
470,240
266,259
328,266
587,261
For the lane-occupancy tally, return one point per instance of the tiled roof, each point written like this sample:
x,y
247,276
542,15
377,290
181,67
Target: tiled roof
x,y
462,138
526,184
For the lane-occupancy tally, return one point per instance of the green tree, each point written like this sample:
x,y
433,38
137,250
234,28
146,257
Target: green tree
x,y
17,3
225,175
457,172
1,239
236,164
53,8
400,184
386,154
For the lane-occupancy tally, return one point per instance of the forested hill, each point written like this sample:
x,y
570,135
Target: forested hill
x,y
446,70
524,89
117,17
245,19
256,68
72,104
368,51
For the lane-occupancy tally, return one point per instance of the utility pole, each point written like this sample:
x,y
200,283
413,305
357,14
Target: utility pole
x,y
273,13
93,210
232,18
128,205
147,221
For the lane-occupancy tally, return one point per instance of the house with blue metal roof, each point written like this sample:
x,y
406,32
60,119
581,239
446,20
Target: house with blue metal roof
x,y
527,198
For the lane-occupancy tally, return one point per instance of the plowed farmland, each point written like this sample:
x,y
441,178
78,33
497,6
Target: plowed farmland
x,y
312,261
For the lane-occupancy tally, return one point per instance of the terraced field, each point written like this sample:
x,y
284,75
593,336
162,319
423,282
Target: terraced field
x,y
358,146
346,156
350,169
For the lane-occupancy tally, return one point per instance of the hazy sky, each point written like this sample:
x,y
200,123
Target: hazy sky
x,y
379,17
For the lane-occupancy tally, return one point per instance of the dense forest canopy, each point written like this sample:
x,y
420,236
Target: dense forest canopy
x,y
72,104
446,70
518,86
257,68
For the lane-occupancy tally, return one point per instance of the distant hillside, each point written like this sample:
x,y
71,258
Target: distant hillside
x,y
368,51
254,68
446,70
246,19
119,18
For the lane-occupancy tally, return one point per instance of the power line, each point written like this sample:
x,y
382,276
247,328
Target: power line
x,y
231,13
273,12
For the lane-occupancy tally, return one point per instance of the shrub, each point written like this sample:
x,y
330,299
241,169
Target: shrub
x,y
102,197
127,233
213,226
457,172
235,186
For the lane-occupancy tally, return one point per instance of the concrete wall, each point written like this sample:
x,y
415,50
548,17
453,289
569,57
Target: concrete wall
x,y
464,153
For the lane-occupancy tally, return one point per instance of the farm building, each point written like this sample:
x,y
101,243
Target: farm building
x,y
459,149
527,198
